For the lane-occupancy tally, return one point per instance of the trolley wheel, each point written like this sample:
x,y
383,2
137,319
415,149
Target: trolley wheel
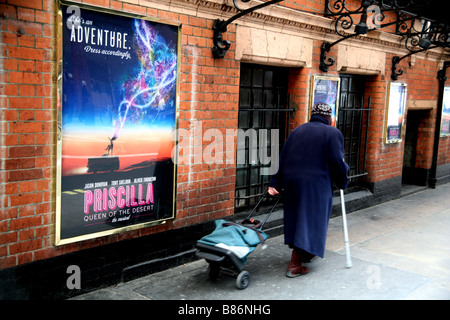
x,y
213,271
243,280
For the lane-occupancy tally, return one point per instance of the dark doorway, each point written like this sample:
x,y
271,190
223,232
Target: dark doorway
x,y
412,173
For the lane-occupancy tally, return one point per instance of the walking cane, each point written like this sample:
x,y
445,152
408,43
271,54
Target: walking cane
x,y
344,221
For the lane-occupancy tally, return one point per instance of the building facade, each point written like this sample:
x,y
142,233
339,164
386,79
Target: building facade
x,y
264,84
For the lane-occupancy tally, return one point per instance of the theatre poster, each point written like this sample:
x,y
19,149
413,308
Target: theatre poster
x,y
445,120
117,105
395,111
325,90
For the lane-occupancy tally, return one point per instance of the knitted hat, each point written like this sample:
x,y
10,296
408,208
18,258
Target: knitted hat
x,y
322,109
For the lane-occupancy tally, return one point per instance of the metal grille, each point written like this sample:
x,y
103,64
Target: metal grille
x,y
353,121
263,101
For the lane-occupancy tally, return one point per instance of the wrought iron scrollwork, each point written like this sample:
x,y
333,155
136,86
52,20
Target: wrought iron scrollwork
x,y
420,35
396,60
430,33
344,20
395,74
442,74
372,14
221,46
325,62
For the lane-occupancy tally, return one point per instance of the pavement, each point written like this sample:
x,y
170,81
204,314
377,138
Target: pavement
x,y
400,250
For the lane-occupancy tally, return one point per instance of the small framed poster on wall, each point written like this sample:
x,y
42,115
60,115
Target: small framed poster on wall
x,y
325,90
395,111
445,120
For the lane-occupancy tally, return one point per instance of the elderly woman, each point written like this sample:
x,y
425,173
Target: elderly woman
x,y
312,160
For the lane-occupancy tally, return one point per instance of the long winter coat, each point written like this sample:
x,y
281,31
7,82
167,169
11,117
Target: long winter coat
x,y
312,160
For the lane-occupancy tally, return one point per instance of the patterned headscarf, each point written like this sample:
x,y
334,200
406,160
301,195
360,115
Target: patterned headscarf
x,y
322,109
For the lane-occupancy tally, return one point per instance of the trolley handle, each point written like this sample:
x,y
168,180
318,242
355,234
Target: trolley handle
x,y
259,226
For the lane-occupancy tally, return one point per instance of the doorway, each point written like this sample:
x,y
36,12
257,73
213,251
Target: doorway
x,y
263,105
412,173
353,122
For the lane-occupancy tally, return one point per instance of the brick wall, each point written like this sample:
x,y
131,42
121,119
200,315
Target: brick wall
x,y
27,130
299,84
208,103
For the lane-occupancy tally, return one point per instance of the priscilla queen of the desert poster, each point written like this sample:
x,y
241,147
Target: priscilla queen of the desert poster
x,y
117,107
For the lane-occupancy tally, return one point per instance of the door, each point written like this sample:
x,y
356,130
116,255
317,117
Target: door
x,y
353,121
263,102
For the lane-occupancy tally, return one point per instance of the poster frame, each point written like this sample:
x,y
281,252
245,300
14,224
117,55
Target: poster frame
x,y
445,129
58,240
313,99
392,105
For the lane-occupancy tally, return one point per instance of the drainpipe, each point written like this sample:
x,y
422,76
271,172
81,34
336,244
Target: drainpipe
x,y
437,131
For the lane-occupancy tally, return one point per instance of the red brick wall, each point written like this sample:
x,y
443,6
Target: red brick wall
x,y
27,131
209,96
299,84
376,89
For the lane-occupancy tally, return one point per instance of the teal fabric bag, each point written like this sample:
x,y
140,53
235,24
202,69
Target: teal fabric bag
x,y
239,239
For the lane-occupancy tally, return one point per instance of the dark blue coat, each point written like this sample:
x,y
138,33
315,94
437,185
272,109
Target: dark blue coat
x,y
312,160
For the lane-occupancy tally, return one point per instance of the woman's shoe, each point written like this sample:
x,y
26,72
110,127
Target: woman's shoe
x,y
295,267
299,271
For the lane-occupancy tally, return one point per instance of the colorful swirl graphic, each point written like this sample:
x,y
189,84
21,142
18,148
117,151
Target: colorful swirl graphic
x,y
149,89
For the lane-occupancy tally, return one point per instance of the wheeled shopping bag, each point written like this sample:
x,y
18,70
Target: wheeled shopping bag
x,y
226,249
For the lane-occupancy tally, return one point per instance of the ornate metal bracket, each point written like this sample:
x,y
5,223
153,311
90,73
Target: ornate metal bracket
x,y
429,32
325,62
430,36
396,60
221,46
442,74
344,20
